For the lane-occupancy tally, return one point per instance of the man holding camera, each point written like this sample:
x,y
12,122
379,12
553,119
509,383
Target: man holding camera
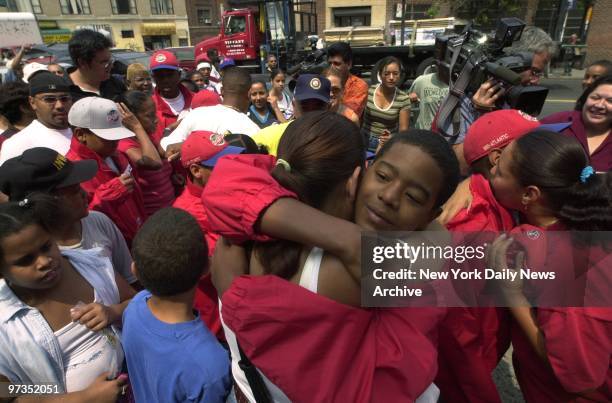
x,y
527,57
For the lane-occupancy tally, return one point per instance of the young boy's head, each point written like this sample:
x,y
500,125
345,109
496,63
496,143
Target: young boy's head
x,y
491,133
98,125
201,151
170,253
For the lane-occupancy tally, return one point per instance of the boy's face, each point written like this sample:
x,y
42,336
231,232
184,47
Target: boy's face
x,y
399,190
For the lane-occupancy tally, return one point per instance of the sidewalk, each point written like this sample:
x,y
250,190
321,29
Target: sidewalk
x,y
558,73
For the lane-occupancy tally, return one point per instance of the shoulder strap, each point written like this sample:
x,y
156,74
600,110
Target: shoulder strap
x,y
256,382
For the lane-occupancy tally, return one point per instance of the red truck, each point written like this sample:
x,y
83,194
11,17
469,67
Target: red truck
x,y
261,26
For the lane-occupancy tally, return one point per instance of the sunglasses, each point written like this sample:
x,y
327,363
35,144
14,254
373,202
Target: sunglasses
x,y
52,100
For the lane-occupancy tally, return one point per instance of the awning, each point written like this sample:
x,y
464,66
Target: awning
x,y
56,35
158,28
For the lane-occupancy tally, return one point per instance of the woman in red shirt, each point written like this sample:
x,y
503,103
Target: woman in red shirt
x,y
561,354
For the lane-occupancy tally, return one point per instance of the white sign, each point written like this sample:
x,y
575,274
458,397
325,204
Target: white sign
x,y
18,29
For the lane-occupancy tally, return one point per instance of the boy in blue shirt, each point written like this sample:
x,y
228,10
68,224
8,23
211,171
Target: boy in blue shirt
x,y
171,355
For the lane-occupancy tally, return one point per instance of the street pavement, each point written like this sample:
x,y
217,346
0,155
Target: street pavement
x,y
563,91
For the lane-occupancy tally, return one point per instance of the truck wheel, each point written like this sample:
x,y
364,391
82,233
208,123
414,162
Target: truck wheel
x,y
424,65
374,74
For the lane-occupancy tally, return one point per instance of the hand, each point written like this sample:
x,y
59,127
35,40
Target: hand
x,y
174,125
173,151
459,200
127,180
382,139
95,316
129,120
414,98
104,391
497,259
273,100
487,95
228,262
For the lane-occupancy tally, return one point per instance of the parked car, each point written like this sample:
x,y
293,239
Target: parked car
x,y
185,56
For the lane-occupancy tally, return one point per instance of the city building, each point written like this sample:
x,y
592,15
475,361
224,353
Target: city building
x,y
204,19
133,24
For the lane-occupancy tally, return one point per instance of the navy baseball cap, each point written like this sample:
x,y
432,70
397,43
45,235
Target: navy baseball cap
x,y
312,86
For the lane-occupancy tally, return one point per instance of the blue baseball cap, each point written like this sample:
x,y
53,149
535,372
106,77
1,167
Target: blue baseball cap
x,y
312,86
228,62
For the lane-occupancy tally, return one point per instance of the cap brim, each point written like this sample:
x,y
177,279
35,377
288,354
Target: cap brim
x,y
165,67
82,171
313,96
229,150
555,127
116,133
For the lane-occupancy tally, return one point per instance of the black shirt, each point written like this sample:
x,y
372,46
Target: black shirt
x,y
109,89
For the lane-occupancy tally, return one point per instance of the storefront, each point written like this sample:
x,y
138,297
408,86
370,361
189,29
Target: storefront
x,y
52,33
158,35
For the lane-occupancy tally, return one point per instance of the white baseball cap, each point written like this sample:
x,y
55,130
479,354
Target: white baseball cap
x,y
99,115
31,68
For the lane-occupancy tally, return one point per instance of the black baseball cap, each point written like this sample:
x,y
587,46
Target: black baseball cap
x,y
45,82
312,86
42,170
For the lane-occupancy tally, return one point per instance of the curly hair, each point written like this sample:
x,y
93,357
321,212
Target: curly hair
x,y
14,96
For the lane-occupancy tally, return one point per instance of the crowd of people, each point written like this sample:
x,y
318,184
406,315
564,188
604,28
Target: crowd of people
x,y
172,237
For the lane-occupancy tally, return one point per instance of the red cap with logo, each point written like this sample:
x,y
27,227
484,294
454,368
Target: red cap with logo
x,y
163,59
205,148
496,130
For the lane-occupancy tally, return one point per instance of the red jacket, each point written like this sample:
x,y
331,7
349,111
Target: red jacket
x,y
578,340
108,195
164,114
478,336
375,355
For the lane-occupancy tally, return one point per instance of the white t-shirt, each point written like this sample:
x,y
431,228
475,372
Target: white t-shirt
x,y
36,135
176,104
99,231
216,119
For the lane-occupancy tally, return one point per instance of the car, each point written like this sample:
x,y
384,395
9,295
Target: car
x,y
185,56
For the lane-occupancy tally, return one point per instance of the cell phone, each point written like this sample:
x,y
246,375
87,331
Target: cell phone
x,y
128,170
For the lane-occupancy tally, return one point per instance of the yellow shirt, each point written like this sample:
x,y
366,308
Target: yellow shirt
x,y
270,136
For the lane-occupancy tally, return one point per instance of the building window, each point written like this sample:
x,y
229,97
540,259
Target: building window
x,y
75,6
204,16
24,6
36,8
123,6
413,11
183,42
127,34
352,16
162,7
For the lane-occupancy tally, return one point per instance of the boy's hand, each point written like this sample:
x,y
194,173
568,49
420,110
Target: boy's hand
x,y
95,316
127,180
102,390
173,151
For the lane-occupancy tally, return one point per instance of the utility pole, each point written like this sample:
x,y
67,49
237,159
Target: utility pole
x,y
403,22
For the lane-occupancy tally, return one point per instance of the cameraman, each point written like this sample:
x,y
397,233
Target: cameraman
x,y
534,44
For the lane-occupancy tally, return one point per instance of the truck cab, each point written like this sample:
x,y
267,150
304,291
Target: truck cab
x,y
239,37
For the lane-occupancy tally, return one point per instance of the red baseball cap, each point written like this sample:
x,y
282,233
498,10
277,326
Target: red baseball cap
x,y
163,59
205,148
202,57
205,98
498,129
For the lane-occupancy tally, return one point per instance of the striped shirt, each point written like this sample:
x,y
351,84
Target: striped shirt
x,y
376,119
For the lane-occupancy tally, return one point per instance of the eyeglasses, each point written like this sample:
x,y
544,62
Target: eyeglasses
x,y
52,100
110,63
